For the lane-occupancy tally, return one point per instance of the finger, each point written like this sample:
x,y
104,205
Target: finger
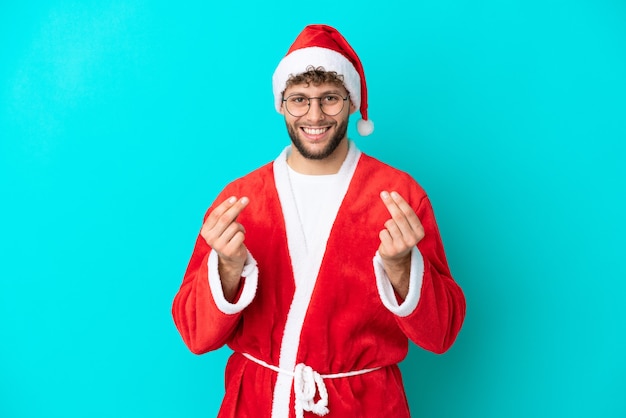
x,y
396,212
407,210
404,217
228,211
220,218
385,240
233,212
223,207
235,246
223,240
395,244
216,213
391,248
394,230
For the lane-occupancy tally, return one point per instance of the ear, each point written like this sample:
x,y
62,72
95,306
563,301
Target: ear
x,y
282,102
352,107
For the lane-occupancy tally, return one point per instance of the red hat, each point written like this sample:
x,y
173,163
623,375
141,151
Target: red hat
x,y
323,46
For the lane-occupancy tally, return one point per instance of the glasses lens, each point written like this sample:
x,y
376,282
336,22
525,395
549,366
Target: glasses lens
x,y
297,105
331,104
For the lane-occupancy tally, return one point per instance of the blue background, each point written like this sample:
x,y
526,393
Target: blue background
x,y
121,120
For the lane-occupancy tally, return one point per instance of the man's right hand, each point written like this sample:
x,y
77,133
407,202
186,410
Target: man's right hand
x,y
225,236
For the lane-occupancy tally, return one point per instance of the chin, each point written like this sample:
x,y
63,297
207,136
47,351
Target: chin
x,y
324,148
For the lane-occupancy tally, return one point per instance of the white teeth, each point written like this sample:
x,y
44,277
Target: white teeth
x,y
314,131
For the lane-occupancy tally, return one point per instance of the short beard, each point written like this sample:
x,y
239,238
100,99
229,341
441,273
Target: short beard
x,y
334,142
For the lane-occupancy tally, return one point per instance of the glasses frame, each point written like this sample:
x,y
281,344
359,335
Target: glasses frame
x,y
343,103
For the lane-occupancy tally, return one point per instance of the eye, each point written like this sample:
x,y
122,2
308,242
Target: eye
x,y
297,100
331,99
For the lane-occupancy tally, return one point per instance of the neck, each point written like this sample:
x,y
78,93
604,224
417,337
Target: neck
x,y
328,165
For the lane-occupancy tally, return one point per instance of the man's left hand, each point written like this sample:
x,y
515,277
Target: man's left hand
x,y
402,232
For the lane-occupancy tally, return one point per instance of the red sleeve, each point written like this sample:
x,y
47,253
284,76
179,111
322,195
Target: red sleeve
x,y
203,326
437,319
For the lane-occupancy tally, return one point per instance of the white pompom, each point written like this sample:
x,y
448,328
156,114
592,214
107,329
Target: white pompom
x,y
365,127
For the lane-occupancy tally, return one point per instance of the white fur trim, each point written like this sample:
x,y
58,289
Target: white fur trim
x,y
365,127
250,272
297,62
385,289
305,265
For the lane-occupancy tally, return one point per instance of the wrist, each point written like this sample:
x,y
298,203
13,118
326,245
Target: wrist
x,y
398,264
398,272
230,276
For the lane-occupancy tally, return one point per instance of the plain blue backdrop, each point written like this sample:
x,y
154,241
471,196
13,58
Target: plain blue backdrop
x,y
121,120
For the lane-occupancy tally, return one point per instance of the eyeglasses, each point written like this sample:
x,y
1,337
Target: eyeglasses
x,y
298,105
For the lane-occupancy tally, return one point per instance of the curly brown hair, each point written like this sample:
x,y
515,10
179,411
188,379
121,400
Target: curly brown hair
x,y
316,76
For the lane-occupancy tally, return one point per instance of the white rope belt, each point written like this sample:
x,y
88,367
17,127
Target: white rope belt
x,y
306,383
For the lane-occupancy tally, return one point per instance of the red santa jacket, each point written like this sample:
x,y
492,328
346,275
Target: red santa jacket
x,y
343,323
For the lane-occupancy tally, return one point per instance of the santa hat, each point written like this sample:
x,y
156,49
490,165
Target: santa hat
x,y
323,46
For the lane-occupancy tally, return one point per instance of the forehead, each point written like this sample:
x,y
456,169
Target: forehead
x,y
313,90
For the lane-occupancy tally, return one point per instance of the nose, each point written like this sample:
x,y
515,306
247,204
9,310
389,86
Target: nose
x,y
315,109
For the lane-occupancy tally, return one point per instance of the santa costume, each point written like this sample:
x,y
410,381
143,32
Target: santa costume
x,y
316,328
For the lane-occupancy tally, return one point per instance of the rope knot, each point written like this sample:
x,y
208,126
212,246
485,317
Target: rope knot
x,y
306,384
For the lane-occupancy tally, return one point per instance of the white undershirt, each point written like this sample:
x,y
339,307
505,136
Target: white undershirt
x,y
313,196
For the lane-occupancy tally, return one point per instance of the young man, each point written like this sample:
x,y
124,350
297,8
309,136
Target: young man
x,y
316,269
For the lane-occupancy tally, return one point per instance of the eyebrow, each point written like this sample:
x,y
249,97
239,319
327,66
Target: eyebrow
x,y
338,92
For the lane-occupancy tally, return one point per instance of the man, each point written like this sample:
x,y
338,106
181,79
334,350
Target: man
x,y
316,269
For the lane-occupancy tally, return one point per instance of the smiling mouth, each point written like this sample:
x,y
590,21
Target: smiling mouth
x,y
315,131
